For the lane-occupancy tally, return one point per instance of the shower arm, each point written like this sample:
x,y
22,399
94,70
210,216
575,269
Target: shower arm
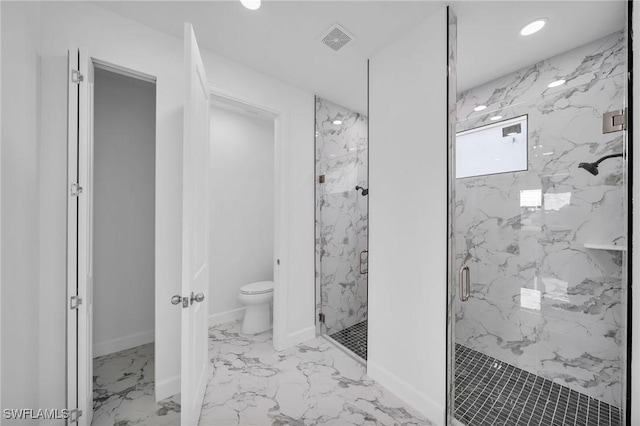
x,y
608,156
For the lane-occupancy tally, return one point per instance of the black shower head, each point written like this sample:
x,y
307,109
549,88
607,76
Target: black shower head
x,y
590,167
364,191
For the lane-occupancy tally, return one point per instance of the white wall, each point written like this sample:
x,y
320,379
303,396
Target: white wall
x,y
117,40
241,208
124,215
53,188
408,217
20,216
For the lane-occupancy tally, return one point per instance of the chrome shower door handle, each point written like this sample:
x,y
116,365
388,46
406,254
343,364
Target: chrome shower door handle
x,y
362,262
464,283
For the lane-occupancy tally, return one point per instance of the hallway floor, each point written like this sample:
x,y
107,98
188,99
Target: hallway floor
x,y
310,384
314,383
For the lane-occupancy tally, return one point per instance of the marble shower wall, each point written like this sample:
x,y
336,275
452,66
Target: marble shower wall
x,y
341,216
540,299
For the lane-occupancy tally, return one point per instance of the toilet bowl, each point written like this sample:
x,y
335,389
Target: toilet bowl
x,y
257,298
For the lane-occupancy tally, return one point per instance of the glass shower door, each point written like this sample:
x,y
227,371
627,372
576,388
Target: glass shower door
x,y
539,324
341,225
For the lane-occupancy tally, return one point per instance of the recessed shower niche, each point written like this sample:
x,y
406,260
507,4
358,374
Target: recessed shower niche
x,y
538,327
341,225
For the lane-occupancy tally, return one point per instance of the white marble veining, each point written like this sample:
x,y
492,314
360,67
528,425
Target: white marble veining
x,y
341,216
310,384
541,300
123,390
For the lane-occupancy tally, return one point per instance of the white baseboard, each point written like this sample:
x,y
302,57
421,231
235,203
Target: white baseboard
x,y
122,343
299,336
167,388
406,392
225,317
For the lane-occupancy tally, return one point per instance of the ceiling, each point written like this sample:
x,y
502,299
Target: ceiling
x,y
490,44
282,38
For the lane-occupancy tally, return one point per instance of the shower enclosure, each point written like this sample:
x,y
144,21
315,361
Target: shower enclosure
x,y
538,245
341,225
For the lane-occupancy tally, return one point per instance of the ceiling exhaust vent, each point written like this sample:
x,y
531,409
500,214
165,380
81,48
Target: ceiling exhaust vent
x,y
337,37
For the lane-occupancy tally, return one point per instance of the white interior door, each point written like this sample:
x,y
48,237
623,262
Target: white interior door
x,y
80,238
195,267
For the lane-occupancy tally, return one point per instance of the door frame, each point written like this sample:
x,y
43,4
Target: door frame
x,y
75,163
281,216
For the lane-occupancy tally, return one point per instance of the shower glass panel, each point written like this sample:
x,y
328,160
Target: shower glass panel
x,y
539,320
341,225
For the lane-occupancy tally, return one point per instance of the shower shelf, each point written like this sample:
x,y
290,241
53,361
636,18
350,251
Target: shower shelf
x,y
609,247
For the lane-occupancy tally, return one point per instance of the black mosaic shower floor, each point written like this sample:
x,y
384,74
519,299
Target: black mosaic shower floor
x,y
489,392
353,338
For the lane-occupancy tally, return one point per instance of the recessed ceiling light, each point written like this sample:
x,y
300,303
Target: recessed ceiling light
x,y
557,83
495,117
480,108
533,27
337,122
251,4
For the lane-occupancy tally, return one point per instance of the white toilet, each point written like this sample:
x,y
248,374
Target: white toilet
x,y
257,297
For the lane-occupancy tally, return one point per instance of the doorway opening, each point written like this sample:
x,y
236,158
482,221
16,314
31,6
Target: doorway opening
x,y
121,302
242,214
342,226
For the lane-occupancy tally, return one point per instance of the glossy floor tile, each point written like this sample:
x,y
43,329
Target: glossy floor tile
x,y
123,391
313,383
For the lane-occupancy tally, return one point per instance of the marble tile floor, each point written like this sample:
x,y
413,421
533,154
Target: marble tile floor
x,y
489,392
354,338
313,383
123,391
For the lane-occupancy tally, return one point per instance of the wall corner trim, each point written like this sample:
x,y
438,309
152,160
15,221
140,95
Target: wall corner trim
x,y
408,393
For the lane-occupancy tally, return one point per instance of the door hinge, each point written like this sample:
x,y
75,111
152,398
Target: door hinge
x,y
76,190
321,317
76,77
74,415
321,179
614,121
75,302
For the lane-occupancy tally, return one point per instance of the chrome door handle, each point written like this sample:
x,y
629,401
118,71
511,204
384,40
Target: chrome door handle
x,y
177,299
197,298
464,283
361,262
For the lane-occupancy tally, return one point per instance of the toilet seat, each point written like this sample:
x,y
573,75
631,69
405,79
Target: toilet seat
x,y
260,287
